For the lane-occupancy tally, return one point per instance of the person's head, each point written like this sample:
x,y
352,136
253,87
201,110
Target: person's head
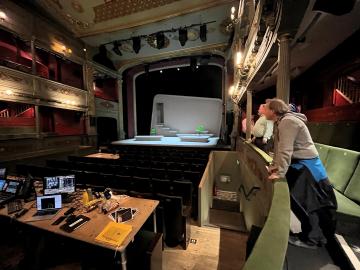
x,y
261,110
274,108
293,108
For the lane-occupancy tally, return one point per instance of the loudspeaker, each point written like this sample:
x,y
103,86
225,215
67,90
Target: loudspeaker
x,y
203,33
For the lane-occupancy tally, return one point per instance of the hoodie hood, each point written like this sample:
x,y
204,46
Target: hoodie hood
x,y
300,116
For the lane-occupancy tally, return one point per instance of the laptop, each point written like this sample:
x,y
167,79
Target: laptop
x,y
47,207
8,190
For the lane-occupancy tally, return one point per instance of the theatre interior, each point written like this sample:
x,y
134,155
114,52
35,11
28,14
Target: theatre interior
x,y
127,132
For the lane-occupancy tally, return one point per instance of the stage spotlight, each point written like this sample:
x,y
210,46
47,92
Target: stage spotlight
x,y
203,33
161,71
160,40
178,69
116,48
183,36
136,44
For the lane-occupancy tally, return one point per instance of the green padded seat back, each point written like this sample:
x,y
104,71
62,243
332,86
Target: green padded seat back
x,y
314,129
326,133
340,166
323,152
346,137
346,206
352,191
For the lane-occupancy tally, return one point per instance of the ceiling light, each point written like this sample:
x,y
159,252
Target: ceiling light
x,y
203,32
84,49
233,9
238,58
178,69
116,48
197,66
232,17
2,15
183,36
136,44
161,71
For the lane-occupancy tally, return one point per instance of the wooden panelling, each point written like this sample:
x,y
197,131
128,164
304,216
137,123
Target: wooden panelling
x,y
334,114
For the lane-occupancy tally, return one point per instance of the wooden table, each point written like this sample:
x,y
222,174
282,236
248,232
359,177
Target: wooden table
x,y
91,229
104,155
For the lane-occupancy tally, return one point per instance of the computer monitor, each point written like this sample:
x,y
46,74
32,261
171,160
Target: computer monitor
x,y
59,184
2,184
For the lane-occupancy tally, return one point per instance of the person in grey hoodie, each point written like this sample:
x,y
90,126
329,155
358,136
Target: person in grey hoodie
x,y
296,159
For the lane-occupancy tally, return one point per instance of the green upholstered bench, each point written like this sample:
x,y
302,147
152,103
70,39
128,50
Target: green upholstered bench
x,y
343,169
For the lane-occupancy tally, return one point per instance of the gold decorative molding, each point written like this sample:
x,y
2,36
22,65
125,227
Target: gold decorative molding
x,y
151,18
121,8
21,87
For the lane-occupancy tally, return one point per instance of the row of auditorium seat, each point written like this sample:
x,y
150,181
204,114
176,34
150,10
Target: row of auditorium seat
x,y
193,165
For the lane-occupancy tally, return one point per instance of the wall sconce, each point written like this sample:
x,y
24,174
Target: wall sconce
x,y
2,16
231,90
238,58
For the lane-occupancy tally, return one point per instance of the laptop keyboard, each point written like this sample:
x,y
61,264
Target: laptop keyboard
x,y
4,196
45,213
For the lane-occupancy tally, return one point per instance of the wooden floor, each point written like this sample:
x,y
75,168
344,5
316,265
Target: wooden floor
x,y
214,249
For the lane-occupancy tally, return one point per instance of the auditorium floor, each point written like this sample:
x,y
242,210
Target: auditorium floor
x,y
214,249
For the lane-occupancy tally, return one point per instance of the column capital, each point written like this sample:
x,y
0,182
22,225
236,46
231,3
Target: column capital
x,y
284,37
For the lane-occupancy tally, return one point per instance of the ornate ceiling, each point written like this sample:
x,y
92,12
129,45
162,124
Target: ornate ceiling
x,y
92,17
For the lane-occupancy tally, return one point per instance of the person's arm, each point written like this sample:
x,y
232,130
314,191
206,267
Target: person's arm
x,y
288,131
268,130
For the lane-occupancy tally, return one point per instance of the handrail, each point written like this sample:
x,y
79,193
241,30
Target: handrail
x,y
252,191
270,248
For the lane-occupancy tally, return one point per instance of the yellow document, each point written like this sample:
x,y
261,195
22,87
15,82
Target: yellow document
x,y
114,233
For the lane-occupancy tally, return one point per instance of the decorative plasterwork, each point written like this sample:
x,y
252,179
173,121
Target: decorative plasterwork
x,y
120,8
21,87
88,18
256,46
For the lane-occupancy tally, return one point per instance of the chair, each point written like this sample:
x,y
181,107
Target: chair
x,y
161,186
183,189
158,173
175,174
176,222
142,172
122,183
142,184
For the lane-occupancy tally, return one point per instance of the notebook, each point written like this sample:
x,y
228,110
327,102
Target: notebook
x,y
114,233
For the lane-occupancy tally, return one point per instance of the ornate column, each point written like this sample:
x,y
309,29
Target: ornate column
x,y
121,133
235,129
283,72
33,55
248,113
88,71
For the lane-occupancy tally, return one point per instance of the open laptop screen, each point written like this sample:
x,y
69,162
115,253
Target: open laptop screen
x,y
12,187
48,202
2,184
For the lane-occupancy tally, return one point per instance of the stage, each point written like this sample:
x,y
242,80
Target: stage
x,y
170,141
